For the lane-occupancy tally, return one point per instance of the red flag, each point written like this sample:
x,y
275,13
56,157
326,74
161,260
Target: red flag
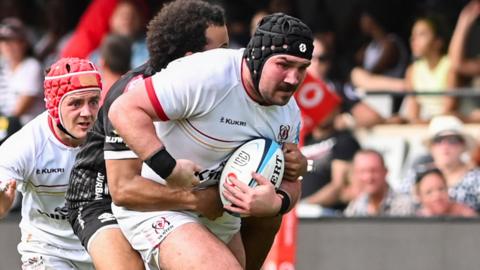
x,y
316,101
282,256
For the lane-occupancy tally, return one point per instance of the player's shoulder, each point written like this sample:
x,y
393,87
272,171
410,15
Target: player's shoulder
x,y
36,126
125,82
30,137
213,70
222,54
216,60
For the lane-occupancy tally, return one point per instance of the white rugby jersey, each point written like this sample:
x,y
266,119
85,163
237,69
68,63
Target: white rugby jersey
x,y
41,164
207,112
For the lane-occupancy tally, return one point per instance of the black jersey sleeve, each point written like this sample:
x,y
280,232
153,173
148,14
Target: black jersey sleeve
x,y
88,180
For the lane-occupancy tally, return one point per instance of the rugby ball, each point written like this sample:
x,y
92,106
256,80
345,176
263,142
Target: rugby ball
x,y
260,155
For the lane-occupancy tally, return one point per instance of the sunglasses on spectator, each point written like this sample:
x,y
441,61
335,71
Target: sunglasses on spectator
x,y
450,139
323,57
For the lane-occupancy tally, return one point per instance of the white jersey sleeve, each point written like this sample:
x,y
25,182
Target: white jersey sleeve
x,y
190,86
17,163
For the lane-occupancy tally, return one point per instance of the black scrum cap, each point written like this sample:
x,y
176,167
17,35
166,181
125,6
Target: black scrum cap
x,y
277,33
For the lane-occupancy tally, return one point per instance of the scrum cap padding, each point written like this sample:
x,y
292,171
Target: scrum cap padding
x,y
68,75
277,34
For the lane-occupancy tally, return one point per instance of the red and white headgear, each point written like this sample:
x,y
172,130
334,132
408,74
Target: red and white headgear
x,y
65,77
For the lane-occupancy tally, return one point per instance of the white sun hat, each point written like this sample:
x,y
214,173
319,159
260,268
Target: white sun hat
x,y
445,125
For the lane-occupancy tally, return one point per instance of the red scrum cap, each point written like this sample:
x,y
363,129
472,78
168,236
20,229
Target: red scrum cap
x,y
67,76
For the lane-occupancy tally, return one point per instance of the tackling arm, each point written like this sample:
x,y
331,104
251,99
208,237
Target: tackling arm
x,y
129,189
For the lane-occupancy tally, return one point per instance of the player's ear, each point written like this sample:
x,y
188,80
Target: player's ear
x,y
188,53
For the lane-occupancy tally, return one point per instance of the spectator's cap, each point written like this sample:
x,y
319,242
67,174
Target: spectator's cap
x,y
12,28
65,77
447,125
277,33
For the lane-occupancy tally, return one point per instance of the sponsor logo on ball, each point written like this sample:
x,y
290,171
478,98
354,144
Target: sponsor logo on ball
x,y
276,170
242,158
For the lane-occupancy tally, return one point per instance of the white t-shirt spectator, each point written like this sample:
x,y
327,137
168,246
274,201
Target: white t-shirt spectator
x,y
27,80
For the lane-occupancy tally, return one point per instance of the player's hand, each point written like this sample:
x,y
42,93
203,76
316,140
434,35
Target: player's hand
x,y
209,204
183,175
295,162
359,76
260,201
7,196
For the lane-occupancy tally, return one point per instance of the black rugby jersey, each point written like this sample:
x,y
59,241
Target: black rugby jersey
x,y
88,180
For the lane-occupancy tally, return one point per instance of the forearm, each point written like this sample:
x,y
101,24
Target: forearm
x,y
129,189
326,196
387,83
469,67
450,105
142,194
457,44
466,19
7,196
293,189
5,205
412,109
365,116
371,82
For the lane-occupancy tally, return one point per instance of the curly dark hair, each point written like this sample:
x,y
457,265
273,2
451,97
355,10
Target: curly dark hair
x,y
179,28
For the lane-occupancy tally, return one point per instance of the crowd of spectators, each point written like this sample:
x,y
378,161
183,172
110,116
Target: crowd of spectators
x,y
360,47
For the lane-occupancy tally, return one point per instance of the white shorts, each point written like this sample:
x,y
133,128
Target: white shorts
x,y
146,230
38,255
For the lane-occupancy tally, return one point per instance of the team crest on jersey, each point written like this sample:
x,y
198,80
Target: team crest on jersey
x,y
283,133
36,262
160,225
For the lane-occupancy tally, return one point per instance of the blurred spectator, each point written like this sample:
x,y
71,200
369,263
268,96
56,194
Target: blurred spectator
x,y
115,55
8,125
128,20
325,184
385,54
257,17
431,191
319,68
123,17
20,98
430,72
376,198
91,28
460,62
449,147
56,34
463,65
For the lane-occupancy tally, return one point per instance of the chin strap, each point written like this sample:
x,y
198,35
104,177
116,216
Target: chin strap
x,y
64,130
